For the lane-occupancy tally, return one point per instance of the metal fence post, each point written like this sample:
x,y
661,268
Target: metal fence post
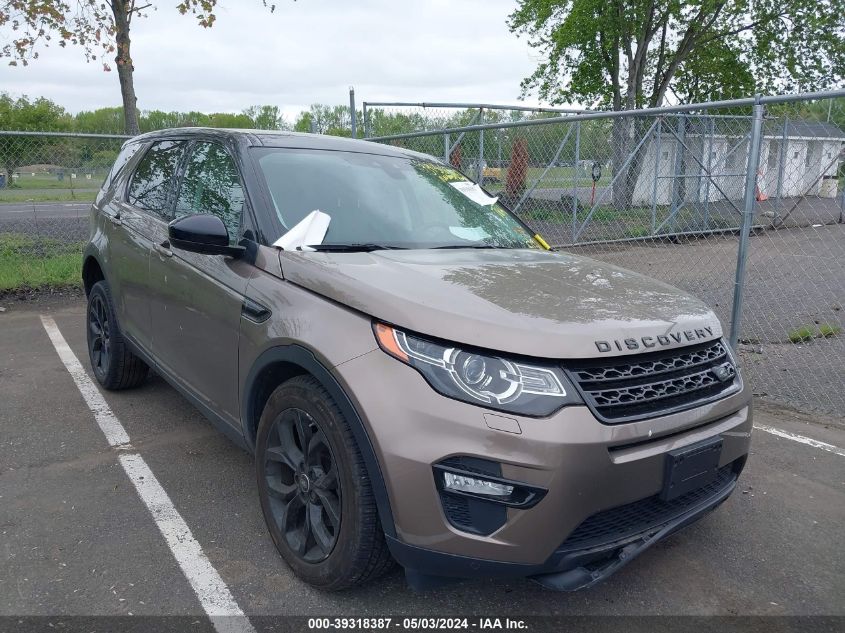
x,y
712,135
747,218
657,151
781,160
352,112
576,172
676,203
368,132
447,147
480,177
499,148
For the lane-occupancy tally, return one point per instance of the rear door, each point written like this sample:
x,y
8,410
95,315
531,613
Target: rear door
x,y
138,219
196,308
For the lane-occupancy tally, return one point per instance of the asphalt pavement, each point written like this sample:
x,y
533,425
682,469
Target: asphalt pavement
x,y
76,538
45,210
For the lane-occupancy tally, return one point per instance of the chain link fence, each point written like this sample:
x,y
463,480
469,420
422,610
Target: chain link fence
x,y
740,203
47,184
382,118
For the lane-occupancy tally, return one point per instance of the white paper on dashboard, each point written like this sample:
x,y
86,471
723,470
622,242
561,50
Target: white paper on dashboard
x,y
310,230
474,192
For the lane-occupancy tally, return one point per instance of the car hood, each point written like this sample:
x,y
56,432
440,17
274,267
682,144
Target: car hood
x,y
535,303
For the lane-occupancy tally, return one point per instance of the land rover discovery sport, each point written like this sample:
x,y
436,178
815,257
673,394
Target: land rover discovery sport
x,y
419,377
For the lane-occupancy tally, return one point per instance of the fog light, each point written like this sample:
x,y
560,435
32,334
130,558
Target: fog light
x,y
462,483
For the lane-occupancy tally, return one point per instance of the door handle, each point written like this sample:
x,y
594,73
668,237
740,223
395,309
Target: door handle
x,y
115,219
164,249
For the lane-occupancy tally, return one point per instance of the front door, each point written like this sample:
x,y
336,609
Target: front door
x,y
196,308
134,227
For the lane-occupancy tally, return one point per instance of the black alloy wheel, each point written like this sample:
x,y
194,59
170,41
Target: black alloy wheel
x,y
303,486
314,488
113,363
99,336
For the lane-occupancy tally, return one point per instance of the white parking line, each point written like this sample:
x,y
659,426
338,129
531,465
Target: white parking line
x,y
801,438
110,426
214,596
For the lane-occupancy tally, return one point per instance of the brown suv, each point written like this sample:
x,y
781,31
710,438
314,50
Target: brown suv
x,y
419,377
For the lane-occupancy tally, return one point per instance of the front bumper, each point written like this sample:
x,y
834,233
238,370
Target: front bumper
x,y
567,569
586,466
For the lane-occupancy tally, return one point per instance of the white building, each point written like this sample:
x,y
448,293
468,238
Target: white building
x,y
797,158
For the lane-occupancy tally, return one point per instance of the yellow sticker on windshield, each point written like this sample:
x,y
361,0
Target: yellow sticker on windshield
x,y
542,242
445,174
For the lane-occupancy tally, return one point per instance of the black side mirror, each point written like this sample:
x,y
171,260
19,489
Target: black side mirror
x,y
202,233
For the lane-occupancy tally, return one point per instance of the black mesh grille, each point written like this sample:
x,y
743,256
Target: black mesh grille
x,y
457,511
622,389
641,517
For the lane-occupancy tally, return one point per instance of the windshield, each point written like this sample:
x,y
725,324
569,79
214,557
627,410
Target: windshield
x,y
392,202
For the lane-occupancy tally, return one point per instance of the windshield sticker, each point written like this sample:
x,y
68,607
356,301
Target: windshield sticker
x,y
471,233
474,193
308,232
446,174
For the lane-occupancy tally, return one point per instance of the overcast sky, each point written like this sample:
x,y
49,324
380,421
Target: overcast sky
x,y
306,52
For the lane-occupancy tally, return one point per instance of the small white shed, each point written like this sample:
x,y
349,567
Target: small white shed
x,y
797,158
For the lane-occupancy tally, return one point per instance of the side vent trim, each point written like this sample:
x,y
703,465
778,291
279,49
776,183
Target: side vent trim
x,y
254,312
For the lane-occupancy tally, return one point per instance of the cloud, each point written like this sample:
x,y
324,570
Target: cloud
x,y
305,52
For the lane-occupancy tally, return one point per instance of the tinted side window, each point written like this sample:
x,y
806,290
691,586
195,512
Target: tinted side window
x,y
153,177
126,152
211,185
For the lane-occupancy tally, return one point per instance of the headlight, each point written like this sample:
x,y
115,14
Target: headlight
x,y
479,378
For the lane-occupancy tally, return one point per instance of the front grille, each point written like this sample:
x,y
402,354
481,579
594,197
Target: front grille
x,y
644,516
634,387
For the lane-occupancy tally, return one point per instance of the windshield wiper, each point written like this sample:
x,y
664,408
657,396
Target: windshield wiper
x,y
353,248
469,246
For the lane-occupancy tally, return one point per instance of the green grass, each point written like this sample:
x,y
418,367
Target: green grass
x,y
601,215
566,176
27,262
59,195
802,335
808,333
638,231
51,181
556,178
828,330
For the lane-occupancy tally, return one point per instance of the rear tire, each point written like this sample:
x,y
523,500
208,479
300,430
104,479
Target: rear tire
x,y
114,365
315,493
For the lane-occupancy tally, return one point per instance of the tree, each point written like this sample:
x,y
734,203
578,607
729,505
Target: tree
x,y
332,120
517,170
101,120
100,28
20,115
629,54
455,157
266,117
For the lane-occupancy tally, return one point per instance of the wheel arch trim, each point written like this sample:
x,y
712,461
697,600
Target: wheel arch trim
x,y
305,359
91,254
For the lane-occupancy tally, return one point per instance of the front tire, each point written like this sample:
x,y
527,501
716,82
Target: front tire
x,y
114,366
314,490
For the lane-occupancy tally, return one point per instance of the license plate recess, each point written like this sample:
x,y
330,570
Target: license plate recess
x,y
691,467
